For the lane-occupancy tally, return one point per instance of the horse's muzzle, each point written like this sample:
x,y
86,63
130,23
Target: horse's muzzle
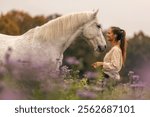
x,y
101,48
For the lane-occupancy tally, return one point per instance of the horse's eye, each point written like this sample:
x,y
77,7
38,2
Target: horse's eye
x,y
98,26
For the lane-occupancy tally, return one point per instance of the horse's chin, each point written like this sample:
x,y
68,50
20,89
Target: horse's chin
x,y
97,53
99,50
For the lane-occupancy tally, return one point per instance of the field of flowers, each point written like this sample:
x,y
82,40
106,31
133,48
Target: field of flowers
x,y
66,84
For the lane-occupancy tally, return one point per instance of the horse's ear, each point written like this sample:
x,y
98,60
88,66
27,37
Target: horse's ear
x,y
95,13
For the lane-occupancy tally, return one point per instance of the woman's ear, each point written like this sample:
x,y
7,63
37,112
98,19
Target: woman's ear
x,y
115,36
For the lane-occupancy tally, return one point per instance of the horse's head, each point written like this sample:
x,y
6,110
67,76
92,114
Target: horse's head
x,y
92,32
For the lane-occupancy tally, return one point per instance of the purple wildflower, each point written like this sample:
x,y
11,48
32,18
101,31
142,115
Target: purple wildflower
x,y
86,94
72,61
130,73
90,74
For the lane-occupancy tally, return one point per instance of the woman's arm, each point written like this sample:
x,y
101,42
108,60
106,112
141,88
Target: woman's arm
x,y
97,64
115,61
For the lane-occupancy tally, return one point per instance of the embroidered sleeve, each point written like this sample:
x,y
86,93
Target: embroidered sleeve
x,y
115,61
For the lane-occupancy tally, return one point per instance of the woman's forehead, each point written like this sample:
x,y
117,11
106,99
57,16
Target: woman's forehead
x,y
109,30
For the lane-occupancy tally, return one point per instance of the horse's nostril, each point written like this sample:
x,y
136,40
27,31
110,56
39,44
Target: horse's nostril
x,y
99,47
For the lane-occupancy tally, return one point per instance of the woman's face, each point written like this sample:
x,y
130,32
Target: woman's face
x,y
110,35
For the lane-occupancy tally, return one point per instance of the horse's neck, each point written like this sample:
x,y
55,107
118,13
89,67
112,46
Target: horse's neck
x,y
62,42
66,44
71,38
58,39
58,45
61,32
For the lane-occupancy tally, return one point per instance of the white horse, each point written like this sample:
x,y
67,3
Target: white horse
x,y
46,44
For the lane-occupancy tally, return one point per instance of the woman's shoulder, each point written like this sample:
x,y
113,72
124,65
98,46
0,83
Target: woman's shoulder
x,y
116,49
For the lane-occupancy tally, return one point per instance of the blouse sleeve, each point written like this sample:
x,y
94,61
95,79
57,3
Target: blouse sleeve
x,y
115,61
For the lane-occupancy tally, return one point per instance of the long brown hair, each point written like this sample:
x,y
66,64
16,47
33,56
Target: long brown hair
x,y
120,36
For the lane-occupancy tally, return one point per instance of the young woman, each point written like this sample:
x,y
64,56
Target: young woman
x,y
115,58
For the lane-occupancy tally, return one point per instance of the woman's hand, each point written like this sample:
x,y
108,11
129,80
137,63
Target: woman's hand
x,y
97,64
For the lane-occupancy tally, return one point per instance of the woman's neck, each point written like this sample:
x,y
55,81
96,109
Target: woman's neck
x,y
114,43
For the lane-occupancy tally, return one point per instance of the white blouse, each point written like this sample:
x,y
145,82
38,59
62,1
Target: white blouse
x,y
112,62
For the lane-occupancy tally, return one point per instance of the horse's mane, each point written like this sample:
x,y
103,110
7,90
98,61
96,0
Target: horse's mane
x,y
62,25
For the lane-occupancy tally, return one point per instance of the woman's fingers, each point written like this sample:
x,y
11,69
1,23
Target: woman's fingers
x,y
94,65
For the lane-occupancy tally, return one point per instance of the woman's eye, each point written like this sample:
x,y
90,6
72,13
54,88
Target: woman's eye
x,y
98,26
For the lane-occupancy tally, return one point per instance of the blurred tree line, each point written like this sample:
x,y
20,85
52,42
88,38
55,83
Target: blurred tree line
x,y
18,22
138,56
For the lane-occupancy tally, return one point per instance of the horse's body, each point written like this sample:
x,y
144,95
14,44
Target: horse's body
x,y
46,44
